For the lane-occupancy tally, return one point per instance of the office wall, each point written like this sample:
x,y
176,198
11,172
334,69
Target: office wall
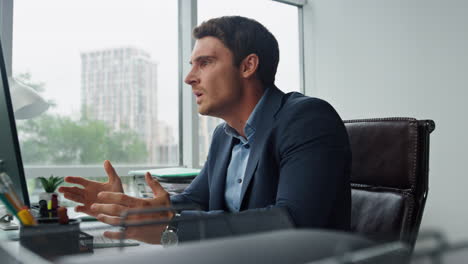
x,y
381,58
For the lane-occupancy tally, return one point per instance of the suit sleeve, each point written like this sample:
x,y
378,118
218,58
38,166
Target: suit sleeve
x,y
314,166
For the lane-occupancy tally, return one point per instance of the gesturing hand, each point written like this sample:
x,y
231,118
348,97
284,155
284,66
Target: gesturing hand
x,y
112,205
89,194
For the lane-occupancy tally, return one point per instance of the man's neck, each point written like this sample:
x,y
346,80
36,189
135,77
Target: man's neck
x,y
241,113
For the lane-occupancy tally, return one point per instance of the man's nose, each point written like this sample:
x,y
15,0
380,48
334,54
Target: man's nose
x,y
191,78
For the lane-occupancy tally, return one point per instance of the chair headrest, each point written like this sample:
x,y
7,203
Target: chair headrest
x,y
384,152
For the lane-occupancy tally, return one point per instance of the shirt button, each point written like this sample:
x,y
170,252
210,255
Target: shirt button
x,y
247,146
239,180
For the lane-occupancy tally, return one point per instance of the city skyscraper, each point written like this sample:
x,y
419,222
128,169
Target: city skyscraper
x,y
119,87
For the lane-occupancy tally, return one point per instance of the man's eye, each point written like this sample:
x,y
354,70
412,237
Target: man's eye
x,y
204,63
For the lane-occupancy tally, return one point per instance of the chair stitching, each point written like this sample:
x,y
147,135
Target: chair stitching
x,y
414,138
413,151
380,119
410,224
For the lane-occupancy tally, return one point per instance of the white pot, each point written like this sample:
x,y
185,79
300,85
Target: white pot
x,y
47,196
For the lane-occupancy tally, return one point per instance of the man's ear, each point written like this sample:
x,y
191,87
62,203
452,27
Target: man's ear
x,y
249,65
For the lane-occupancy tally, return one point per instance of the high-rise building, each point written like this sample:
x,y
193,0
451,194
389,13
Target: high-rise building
x,y
119,87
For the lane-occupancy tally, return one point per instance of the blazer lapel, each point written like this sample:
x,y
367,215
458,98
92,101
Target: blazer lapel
x,y
265,121
219,174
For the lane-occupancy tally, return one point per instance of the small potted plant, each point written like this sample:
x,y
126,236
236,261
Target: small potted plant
x,y
50,185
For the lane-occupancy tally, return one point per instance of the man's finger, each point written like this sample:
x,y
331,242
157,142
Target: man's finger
x,y
108,219
117,198
114,235
111,173
154,185
82,209
74,190
74,197
78,180
108,209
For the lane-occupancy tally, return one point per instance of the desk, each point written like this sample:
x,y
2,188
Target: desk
x,y
23,255
286,246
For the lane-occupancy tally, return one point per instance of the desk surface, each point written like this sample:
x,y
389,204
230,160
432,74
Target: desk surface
x,y
9,243
285,246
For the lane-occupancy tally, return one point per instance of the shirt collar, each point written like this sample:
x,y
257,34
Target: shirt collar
x,y
249,129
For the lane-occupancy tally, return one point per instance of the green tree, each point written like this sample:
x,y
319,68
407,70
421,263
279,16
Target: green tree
x,y
53,139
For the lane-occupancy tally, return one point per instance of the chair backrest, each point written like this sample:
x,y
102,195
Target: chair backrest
x,y
389,177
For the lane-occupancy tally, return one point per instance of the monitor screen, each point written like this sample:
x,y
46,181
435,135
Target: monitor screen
x,y
10,154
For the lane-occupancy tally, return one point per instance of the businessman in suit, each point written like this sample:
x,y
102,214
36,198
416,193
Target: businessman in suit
x,y
274,150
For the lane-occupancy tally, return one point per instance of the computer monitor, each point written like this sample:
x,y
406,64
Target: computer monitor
x,y
10,153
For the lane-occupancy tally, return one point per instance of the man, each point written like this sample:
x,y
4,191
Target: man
x,y
275,150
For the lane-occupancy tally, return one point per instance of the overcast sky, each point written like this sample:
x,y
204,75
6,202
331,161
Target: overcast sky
x,y
49,35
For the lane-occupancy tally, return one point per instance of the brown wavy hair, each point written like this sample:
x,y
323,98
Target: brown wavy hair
x,y
244,36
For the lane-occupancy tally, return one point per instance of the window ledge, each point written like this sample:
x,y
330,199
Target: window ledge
x,y
83,170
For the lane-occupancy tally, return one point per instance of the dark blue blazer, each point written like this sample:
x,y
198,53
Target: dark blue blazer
x,y
300,160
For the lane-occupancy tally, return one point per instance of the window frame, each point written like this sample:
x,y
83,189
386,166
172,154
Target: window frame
x,y
188,115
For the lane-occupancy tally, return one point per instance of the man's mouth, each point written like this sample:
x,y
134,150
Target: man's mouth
x,y
198,96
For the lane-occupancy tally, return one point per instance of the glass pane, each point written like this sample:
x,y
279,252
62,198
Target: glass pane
x,y
110,70
282,21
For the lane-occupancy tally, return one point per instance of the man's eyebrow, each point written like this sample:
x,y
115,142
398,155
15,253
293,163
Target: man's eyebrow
x,y
199,58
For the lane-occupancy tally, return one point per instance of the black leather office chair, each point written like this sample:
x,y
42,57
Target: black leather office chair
x,y
389,177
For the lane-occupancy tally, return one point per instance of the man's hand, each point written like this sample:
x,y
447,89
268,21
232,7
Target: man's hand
x,y
111,205
89,193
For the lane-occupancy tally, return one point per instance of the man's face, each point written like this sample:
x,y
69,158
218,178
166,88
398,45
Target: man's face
x,y
215,81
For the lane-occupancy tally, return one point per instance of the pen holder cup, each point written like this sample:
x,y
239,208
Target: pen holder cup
x,y
52,239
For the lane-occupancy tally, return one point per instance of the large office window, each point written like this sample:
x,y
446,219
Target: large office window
x,y
282,21
110,71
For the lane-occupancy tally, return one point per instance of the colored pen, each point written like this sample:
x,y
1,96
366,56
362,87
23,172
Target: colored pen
x,y
13,204
8,205
7,199
8,184
26,217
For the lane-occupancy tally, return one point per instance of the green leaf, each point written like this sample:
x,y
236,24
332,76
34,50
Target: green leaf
x,y
50,184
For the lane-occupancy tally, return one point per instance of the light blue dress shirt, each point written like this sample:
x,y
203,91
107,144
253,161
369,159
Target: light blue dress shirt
x,y
239,158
